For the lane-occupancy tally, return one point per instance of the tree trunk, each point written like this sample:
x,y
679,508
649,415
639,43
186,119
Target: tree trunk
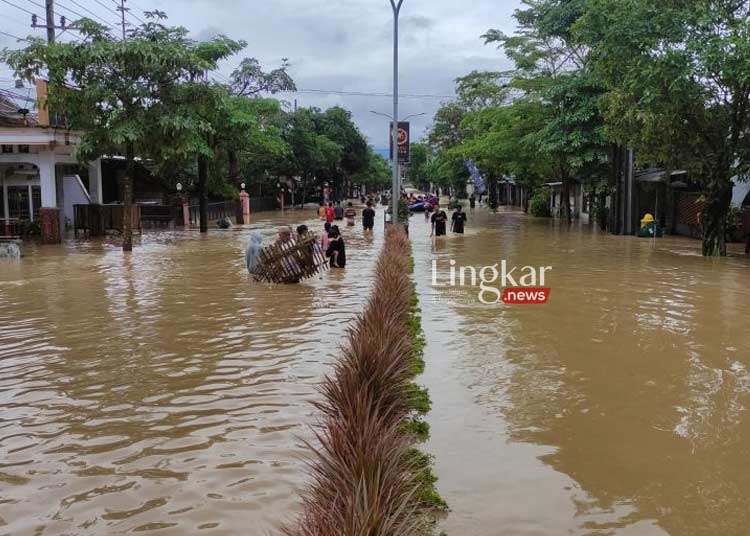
x,y
718,196
492,192
202,199
565,213
233,164
127,201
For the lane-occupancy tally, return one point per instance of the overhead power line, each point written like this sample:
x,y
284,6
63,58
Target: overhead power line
x,y
105,6
74,2
14,36
133,14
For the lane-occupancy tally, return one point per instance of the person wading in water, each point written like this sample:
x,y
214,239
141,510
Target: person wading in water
x,y
350,214
336,249
458,220
439,220
368,217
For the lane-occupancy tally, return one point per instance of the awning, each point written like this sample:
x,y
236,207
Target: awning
x,y
656,175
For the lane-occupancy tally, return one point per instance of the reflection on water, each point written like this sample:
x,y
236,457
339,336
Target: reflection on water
x,y
162,391
619,408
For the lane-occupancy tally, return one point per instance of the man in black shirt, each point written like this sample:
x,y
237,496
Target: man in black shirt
x,y
459,218
368,217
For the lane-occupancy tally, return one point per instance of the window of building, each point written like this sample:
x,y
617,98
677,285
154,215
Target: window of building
x,y
23,148
7,149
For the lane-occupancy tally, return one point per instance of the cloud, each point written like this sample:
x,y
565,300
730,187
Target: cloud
x,y
345,46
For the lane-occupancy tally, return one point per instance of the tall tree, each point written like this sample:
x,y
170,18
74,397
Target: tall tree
x,y
114,91
552,65
678,90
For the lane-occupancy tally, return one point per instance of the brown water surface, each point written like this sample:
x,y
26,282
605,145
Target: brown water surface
x,y
165,393
618,408
162,392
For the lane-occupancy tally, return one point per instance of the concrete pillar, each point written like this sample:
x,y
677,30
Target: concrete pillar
x,y
245,200
49,219
49,214
95,182
47,179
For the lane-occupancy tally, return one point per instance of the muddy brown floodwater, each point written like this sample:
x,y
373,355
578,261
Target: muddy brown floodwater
x,y
162,392
618,408
165,393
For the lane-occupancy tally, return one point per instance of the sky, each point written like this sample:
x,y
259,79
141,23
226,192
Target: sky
x,y
332,45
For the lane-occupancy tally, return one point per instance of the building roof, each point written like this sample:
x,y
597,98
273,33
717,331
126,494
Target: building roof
x,y
656,175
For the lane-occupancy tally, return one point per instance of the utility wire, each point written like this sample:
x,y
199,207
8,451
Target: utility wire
x,y
73,11
13,36
105,6
91,12
133,14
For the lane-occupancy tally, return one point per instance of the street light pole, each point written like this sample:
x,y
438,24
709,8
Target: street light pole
x,y
396,5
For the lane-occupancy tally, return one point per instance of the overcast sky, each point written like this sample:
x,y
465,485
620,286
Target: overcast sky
x,y
333,45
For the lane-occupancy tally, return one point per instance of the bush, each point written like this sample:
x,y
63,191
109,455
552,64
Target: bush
x,y
539,204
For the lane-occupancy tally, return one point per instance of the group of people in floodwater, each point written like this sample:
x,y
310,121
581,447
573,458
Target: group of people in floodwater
x,y
331,242
430,204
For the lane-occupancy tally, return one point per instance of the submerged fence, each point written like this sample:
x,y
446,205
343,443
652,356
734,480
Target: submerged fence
x,y
367,477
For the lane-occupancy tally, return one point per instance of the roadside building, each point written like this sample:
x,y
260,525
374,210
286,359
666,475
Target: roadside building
x,y
40,178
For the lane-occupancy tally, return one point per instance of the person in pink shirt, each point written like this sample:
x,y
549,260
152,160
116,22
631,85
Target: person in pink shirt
x,y
324,239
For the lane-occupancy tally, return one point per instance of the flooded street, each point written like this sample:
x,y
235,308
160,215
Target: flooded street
x,y
618,408
162,392
166,393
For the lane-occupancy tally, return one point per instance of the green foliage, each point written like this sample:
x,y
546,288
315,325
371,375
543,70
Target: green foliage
x,y
419,167
141,96
417,428
678,90
421,464
539,204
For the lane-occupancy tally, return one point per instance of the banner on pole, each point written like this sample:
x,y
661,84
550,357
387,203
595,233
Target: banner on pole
x,y
480,186
404,142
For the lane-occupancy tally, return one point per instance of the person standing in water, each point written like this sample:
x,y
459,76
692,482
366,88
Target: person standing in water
x,y
338,212
458,220
324,240
350,214
336,249
439,220
330,214
368,217
252,254
472,202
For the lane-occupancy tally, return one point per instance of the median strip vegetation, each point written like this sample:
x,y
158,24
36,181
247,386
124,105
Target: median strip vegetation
x,y
368,476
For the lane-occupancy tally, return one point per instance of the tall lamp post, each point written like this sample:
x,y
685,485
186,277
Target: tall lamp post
x,y
396,5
